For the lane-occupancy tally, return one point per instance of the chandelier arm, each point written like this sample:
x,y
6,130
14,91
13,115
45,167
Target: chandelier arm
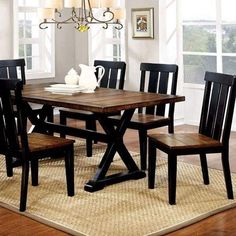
x,y
88,15
67,21
105,26
110,12
74,15
94,19
41,25
57,23
58,12
77,25
118,26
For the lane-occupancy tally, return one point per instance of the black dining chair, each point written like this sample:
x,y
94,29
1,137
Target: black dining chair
x,y
213,136
155,78
114,77
29,148
11,69
15,69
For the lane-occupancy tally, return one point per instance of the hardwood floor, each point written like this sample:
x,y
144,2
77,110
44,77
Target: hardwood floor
x,y
224,223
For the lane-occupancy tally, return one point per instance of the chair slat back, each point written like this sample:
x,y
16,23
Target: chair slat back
x,y
8,115
114,76
161,78
218,106
9,68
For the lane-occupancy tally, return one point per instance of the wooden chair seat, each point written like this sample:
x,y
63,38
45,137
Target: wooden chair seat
x,y
146,121
186,142
41,142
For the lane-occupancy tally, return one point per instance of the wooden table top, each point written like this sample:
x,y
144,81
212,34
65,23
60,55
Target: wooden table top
x,y
103,100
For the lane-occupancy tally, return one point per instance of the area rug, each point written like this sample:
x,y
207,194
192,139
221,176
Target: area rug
x,y
126,209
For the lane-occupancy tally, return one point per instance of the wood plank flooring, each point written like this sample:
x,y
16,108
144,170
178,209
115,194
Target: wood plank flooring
x,y
224,223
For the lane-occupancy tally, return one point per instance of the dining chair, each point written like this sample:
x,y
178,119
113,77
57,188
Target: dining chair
x,y
15,69
29,148
114,77
155,78
213,136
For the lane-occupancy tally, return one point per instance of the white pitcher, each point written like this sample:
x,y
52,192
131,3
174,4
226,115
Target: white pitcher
x,y
88,79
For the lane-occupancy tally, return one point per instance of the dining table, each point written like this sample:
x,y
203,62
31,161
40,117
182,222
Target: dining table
x,y
103,102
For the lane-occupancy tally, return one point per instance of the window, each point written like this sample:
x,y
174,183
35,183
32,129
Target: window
x,y
209,38
111,39
36,46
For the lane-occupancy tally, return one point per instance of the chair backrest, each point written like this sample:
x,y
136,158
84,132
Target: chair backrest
x,y
12,133
218,106
158,78
10,68
114,76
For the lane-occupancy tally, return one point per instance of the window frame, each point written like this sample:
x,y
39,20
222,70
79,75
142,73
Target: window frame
x,y
33,74
219,54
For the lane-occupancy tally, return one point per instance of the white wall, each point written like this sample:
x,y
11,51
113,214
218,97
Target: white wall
x,y
139,50
81,48
169,47
6,31
71,49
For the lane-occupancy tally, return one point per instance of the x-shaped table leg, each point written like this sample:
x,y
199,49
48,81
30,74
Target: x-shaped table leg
x,y
115,144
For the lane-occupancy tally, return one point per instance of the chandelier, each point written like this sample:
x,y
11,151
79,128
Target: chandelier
x,y
83,14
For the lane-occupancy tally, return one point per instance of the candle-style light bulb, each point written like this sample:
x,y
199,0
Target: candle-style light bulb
x,y
108,3
57,4
46,13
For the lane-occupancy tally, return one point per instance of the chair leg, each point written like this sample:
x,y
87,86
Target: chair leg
x,y
143,148
69,165
171,127
227,175
24,185
34,172
9,166
62,122
151,164
204,168
50,117
93,126
172,172
90,125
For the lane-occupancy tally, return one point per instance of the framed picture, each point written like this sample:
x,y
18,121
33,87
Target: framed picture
x,y
142,22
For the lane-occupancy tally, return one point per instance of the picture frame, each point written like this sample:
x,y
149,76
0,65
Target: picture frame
x,y
142,22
